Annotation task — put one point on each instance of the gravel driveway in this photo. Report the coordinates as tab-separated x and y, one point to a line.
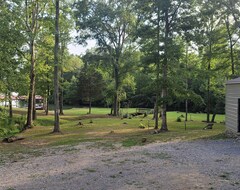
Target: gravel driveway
175	165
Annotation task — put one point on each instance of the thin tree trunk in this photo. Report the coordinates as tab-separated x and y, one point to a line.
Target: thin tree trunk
213	117
47	99
186	110
90	107
116	98
208	100
5	99
56	69
156	110
46	106
29	123
186	101
230	46
34	107
32	26
62	80
111	112
209	83
164	74
10	105
61	94
164	111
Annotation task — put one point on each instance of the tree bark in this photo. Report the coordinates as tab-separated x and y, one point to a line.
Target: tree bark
56	70
29	123
10	105
116	97
164	73
34	107
186	110
213	117
90	107
186	101
47	100
156	110
62	80
32	27
230	46
61	94
209	82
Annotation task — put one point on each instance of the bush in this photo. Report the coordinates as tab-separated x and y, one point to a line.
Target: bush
125	116
20	122
10	126
179	119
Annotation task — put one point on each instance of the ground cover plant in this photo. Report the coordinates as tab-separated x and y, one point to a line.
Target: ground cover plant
77	126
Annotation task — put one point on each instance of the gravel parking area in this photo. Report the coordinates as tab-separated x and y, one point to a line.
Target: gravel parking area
204	164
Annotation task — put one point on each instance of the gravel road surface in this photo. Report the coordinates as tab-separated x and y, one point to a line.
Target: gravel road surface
204	164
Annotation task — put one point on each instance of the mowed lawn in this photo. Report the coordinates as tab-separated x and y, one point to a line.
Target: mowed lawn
77	126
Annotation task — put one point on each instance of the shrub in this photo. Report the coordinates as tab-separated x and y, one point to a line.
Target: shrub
20	121
179	119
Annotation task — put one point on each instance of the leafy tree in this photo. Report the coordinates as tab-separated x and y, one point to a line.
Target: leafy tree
111	24
231	14
33	11
90	85
12	40
163	19
211	47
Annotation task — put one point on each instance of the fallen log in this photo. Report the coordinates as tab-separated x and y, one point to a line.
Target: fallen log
12	139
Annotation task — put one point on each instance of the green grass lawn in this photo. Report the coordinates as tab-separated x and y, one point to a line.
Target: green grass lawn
99	127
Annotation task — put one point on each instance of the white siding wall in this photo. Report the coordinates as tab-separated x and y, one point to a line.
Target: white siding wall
232	96
15	103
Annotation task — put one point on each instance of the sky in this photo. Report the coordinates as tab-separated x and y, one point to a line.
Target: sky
77	49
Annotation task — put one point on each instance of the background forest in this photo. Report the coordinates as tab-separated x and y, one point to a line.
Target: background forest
160	54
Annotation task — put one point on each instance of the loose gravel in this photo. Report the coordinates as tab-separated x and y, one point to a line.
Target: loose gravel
204	164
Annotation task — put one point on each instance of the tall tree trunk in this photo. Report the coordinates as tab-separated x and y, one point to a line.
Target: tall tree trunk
10	105
156	110
32	27
47	99
116	98
62	80
48	92
61	94
230	46
186	101
29	123
186	110
208	100
164	73
209	83
56	69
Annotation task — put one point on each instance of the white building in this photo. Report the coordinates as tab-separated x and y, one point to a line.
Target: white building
232	107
